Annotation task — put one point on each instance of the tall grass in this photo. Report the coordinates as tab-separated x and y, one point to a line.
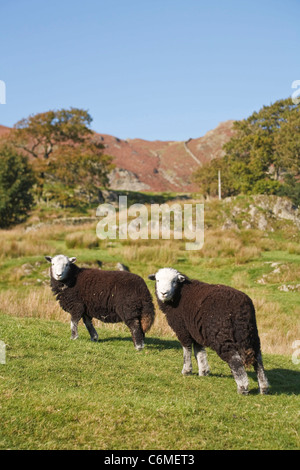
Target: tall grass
235	257
277	330
36	302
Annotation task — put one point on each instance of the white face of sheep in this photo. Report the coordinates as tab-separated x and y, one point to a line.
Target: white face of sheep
60	266
167	280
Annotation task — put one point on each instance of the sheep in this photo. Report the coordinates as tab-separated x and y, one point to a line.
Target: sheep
110	296
211	315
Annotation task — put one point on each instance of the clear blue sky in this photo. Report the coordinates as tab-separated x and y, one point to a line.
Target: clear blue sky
154	69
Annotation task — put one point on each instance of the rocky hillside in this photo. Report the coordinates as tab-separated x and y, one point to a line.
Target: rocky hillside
143	165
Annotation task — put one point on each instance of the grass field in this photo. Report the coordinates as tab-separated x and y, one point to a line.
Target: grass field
61	394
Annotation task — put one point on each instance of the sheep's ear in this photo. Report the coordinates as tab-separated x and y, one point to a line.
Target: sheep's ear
151	277
48	258
72	260
181	278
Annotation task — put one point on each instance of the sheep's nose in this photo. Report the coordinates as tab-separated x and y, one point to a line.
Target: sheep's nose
164	293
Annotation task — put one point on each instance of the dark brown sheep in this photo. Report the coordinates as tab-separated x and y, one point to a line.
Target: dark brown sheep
215	316
110	296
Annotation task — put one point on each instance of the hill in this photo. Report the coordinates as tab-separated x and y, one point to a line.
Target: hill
163	165
143	165
3	130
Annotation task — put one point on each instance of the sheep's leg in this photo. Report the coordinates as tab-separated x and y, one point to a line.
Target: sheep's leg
239	373
261	376
90	327
187	360
201	358
74	329
136	332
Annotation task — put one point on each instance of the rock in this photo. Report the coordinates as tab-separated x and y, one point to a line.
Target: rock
279	207
27	268
229	224
263	280
253	211
284	209
120	178
262	223
107	196
247	225
122	267
289	288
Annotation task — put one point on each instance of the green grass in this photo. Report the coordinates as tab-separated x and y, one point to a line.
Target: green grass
61	394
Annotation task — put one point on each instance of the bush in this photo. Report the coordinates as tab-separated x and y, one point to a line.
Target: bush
16	182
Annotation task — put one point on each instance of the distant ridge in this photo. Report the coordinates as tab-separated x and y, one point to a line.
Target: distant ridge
143	165
163	165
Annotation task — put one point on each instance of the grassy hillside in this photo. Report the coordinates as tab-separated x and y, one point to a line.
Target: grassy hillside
61	394
55	393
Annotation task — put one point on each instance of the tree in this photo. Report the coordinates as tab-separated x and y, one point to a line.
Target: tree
262	154
62	146
287	143
206	177
16	183
40	134
84	165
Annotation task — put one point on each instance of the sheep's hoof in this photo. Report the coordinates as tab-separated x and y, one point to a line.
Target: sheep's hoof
74	337
264	391
95	340
204	373
186	372
243	391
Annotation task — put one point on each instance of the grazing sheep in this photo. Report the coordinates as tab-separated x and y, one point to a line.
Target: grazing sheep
215	316
110	296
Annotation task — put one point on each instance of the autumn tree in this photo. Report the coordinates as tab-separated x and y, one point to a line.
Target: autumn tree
39	135
63	148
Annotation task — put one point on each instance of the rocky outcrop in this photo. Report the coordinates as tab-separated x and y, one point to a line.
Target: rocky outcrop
259	212
122	179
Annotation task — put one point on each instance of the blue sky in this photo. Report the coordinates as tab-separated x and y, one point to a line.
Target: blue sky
153	69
